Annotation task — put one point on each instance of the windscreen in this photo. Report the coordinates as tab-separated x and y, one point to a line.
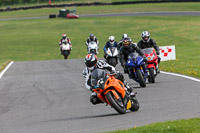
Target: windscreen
133	56
96	75
148	50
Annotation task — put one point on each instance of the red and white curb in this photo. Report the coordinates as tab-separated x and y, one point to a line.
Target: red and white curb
180	75
7	67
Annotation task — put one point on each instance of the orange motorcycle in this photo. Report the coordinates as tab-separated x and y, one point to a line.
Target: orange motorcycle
111	91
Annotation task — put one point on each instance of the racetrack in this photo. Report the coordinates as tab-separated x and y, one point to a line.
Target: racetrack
50	97
166	13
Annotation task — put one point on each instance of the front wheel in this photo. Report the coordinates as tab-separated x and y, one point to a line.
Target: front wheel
112	61
140	78
65	54
151	77
117	104
134	104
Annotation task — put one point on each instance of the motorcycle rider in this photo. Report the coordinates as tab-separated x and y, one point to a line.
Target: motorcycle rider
121	41
110	43
128	47
65	40
92	63
91	38
147	42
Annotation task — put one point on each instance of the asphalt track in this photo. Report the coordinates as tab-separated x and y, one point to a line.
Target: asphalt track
50	97
167	13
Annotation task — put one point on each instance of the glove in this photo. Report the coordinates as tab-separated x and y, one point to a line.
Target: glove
124	64
144	56
157	52
112	72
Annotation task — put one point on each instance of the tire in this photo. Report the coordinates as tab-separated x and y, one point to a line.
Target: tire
52	16
112	62
134	105
151	75
114	103
65	54
93	51
140	78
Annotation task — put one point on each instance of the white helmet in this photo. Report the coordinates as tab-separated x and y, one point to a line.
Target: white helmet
124	36
145	36
111	40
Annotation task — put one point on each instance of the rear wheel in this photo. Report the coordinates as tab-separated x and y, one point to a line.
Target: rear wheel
140	78
151	75
117	104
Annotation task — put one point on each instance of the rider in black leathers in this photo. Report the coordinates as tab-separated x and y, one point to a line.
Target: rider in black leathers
147	42
127	48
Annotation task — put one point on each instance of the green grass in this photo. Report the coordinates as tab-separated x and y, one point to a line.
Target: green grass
179	126
24	40
15	4
105	9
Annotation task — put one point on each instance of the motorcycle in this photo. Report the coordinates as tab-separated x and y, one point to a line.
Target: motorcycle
135	69
112	91
112	56
93	48
66	50
152	63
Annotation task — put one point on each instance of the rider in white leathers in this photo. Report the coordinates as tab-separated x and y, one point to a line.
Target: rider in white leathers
92	63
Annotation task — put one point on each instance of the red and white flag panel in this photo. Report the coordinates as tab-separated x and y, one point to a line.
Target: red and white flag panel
167	53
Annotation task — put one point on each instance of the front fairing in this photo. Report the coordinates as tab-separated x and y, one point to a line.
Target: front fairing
150	54
112	51
92	45
134	60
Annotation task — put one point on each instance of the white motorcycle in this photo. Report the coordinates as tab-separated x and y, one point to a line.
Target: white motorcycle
112	56
66	50
93	48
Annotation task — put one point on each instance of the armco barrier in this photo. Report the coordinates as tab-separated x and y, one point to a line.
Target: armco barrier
95	4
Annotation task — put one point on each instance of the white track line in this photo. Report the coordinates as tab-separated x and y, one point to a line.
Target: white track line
180	75
2	73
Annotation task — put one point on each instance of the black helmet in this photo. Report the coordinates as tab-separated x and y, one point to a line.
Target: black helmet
92	37
126	42
91	61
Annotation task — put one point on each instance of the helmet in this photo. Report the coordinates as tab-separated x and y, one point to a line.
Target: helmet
145	36
92	37
111	40
91	61
126	42
64	36
124	36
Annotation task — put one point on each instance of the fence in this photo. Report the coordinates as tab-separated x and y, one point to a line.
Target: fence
20	2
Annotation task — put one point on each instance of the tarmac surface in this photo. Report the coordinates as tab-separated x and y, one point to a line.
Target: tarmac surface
50	97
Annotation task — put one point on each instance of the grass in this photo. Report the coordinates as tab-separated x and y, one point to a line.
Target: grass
25	40
105	9
179	126
55	2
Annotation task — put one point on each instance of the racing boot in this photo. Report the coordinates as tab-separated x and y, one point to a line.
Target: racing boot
158	71
94	99
132	95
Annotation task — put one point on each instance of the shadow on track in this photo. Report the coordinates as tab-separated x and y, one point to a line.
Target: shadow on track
80	118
